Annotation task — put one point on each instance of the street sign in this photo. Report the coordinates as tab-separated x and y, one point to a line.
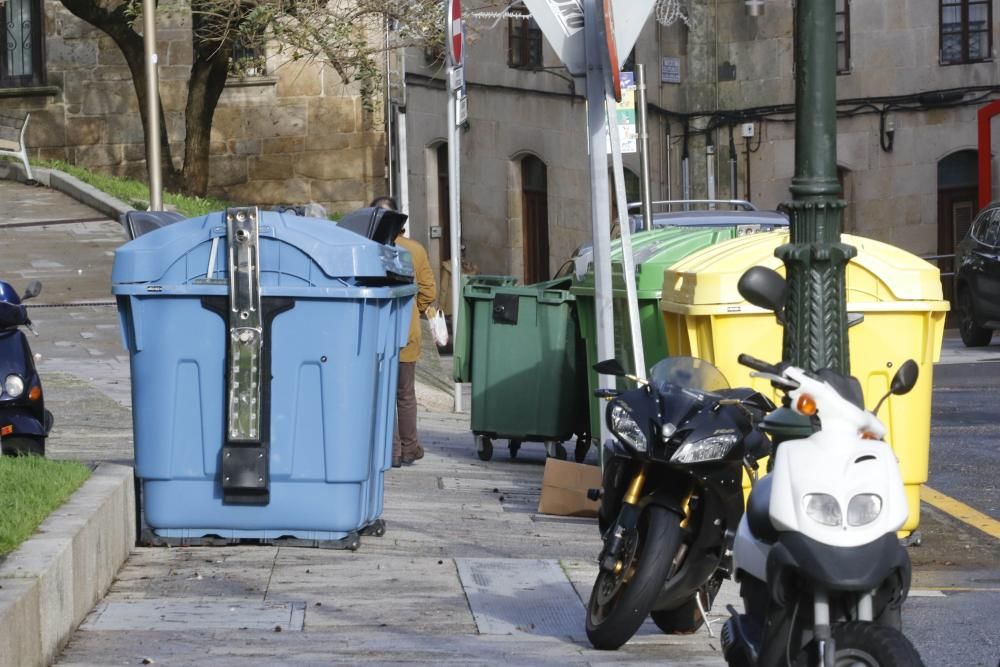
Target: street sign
454	32
624	117
561	21
461	109
613	72
457	77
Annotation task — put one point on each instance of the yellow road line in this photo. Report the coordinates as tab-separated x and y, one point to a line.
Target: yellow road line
960	511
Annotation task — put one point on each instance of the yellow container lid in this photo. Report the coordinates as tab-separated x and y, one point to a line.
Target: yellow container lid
881	277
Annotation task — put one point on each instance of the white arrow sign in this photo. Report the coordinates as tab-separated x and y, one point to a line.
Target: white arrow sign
561	22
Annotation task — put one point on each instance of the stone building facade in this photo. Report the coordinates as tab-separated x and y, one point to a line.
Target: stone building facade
292	133
907	141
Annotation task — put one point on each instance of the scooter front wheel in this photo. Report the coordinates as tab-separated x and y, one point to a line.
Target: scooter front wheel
23	445
622	598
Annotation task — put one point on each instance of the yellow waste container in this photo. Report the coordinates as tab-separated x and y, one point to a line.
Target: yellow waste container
898	294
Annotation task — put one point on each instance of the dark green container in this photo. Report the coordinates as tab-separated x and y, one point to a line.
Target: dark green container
520	348
653	252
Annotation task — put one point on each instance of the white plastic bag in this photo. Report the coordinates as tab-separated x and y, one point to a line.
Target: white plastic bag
439	329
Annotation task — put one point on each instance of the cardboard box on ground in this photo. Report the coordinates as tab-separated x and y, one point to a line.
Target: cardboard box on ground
564	488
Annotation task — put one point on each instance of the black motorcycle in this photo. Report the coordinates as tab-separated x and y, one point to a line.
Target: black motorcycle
672	496
24	421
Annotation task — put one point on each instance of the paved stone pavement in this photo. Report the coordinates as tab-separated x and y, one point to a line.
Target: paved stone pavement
467	572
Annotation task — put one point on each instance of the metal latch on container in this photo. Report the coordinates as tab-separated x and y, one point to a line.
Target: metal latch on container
245	474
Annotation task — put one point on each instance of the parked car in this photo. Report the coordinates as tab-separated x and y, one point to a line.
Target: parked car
978	278
708	213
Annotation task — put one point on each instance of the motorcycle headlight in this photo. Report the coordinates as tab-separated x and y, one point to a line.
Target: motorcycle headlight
707	449
623	424
13	385
863	509
823	508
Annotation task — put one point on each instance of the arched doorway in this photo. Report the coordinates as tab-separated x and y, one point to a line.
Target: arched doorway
535	219
443	203
958	193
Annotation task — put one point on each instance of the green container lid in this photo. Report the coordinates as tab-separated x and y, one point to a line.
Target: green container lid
653	251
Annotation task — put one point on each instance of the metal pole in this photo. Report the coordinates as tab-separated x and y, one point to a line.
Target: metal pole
153	164
668	168
816	313
628	261
599	200
733	179
387	97
454	220
647	208
710	171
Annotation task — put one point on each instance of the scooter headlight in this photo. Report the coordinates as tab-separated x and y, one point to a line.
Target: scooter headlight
863	509
711	448
823	508
13	385
623	424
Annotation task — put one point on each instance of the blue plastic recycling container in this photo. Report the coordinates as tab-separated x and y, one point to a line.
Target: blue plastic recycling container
334	311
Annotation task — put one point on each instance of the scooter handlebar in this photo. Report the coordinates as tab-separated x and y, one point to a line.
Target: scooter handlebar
757	364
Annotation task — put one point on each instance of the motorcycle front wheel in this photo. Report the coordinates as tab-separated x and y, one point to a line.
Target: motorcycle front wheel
861	644
621	600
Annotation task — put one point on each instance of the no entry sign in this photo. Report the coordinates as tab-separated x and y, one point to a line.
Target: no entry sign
454	31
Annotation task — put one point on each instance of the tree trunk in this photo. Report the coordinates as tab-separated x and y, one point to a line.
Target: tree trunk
116	25
208	79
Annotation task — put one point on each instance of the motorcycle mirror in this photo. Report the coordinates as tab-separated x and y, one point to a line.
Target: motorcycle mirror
610	367
902	382
33	289
905	378
764	288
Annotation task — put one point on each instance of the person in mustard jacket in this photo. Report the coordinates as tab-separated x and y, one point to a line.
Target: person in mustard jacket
405	446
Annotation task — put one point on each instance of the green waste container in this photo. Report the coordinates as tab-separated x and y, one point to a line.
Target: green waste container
653	252
520	348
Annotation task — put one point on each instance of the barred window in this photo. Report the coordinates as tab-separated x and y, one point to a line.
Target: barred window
965	31
21	44
524	41
249	57
843	18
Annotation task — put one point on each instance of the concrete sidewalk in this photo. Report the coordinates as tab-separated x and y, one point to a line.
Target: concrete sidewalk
467	573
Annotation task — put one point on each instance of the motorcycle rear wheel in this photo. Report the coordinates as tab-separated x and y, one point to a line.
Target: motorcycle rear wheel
22	445
619	603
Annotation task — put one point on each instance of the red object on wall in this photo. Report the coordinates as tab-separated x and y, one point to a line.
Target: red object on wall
986	114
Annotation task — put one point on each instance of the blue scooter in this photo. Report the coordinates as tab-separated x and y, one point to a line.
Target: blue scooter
24	421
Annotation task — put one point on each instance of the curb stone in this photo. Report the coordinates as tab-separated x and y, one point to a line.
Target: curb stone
68	185
50	583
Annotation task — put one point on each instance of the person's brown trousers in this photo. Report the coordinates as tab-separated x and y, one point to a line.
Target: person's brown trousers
404	440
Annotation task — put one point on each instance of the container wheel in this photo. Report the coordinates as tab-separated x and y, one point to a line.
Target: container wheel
484	447
582	447
555	450
514	446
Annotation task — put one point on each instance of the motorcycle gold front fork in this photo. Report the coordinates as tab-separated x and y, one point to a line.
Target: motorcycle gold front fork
635	488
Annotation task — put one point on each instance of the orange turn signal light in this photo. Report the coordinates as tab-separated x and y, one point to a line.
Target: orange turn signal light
806	405
35	394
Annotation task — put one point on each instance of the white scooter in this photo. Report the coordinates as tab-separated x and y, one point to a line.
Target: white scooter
822	573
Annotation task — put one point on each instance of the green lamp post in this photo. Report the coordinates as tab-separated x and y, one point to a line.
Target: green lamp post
815	259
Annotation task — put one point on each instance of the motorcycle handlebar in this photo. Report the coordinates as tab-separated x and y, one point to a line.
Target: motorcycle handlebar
757	364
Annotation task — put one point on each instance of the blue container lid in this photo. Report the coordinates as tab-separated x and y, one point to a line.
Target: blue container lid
296	254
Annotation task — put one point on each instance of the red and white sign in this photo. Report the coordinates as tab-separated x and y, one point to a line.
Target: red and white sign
454	31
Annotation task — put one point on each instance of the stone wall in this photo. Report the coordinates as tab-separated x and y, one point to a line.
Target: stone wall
294	136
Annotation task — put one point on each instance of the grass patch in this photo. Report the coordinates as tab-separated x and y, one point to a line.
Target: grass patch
136	193
31	487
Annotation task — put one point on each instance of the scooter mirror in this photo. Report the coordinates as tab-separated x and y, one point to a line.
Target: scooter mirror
610	367
764	288
33	289
905	378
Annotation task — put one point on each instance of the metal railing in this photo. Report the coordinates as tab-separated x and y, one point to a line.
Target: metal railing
937	259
